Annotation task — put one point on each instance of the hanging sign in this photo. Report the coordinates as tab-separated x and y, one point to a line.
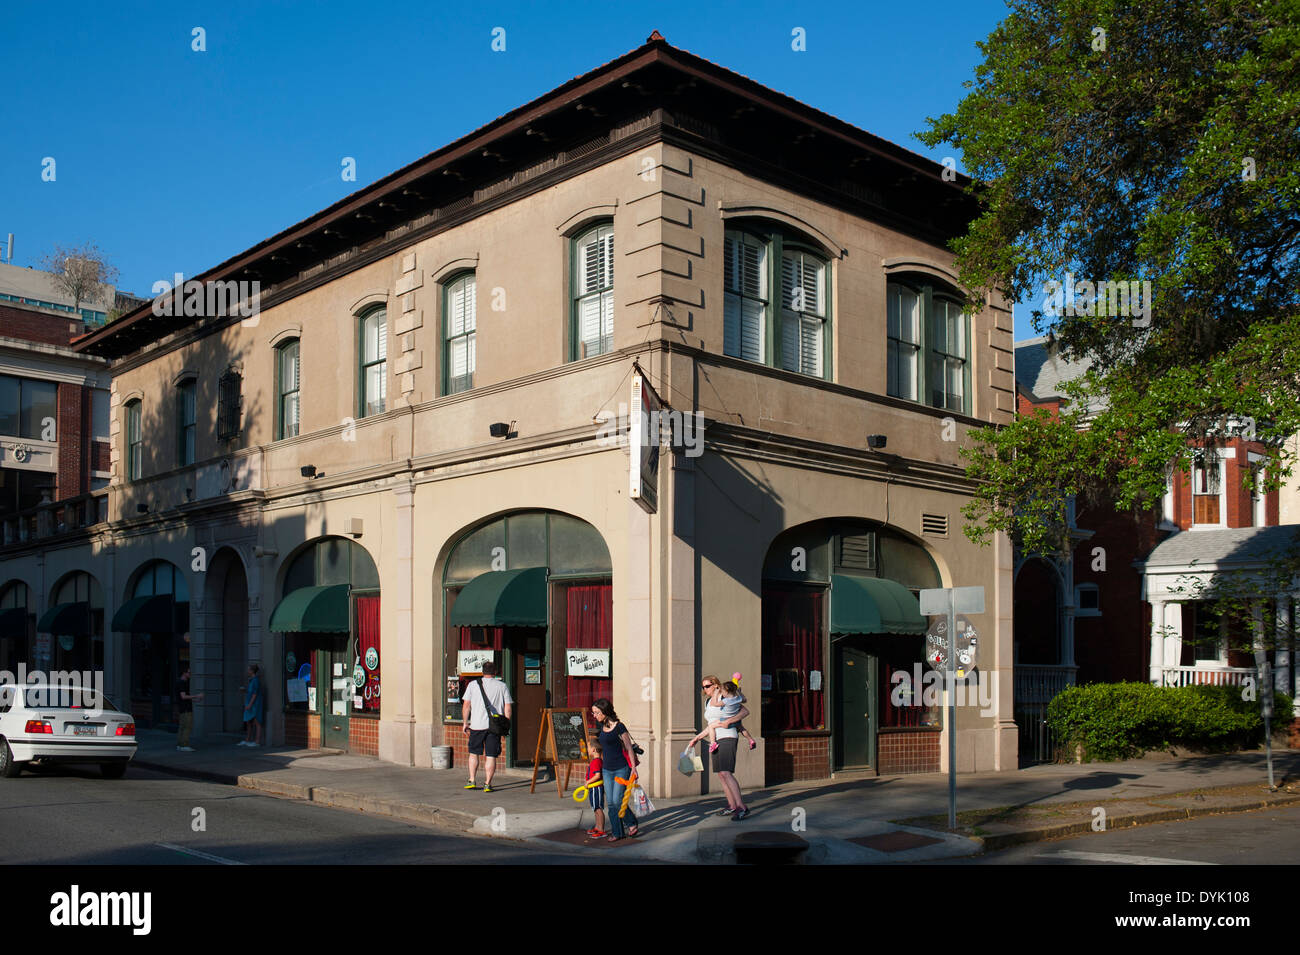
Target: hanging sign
643	440
470	662
580	662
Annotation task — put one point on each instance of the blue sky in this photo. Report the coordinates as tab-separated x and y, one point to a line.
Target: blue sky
174	160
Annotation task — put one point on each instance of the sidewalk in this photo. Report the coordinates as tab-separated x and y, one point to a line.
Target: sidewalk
868	820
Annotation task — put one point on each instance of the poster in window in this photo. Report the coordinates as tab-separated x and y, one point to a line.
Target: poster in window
580	662
453	689
296	691
470	662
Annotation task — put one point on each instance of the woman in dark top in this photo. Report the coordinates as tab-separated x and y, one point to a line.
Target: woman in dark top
618	759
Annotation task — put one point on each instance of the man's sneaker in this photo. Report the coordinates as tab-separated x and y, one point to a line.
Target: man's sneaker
471	786
487	789
252	745
740	814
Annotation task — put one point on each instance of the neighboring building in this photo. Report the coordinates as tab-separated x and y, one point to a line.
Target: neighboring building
415	454
36	287
1091	619
54	468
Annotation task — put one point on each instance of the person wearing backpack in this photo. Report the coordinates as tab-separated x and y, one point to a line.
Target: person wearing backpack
486	699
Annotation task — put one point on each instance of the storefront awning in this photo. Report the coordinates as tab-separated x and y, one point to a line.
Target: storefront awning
873	605
70	620
13	622
158	614
313	610
503	598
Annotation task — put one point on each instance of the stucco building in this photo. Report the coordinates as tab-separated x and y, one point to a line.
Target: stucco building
415	451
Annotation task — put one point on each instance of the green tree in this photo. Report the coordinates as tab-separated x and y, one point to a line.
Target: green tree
1131	142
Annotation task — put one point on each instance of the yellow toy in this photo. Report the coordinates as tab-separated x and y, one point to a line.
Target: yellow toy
580	794
628	785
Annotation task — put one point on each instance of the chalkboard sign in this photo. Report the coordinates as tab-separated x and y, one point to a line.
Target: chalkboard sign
562	739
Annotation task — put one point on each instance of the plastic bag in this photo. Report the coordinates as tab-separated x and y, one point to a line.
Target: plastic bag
686	763
641	804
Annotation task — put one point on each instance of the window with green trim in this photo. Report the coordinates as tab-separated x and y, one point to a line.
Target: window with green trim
374	363
134	443
593	291
789	326
185	422
286	390
459	324
928	346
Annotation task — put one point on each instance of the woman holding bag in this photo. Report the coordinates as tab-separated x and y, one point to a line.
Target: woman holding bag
618	761
724	757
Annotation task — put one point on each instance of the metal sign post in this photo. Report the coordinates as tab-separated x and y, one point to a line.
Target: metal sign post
1265	673
950	601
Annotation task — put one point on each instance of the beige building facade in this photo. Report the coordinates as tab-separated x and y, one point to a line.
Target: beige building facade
429	408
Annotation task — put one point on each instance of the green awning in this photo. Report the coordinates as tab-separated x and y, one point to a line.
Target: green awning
71	620
313	610
873	605
13	622
157	614
502	598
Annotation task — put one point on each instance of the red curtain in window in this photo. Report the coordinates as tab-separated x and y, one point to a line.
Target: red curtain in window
590	626
368	638
792	641
909	714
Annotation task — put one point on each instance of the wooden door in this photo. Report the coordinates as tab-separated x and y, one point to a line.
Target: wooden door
530	698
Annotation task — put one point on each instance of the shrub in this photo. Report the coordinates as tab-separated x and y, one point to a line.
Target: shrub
1125	720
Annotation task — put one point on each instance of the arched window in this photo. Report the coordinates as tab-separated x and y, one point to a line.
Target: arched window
186	393
459	324
134	442
783	320
593	291
928	350
374	364
286	389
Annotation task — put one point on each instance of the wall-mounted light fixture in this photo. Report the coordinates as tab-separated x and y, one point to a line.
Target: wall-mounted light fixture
142	508
308	470
500	429
876	441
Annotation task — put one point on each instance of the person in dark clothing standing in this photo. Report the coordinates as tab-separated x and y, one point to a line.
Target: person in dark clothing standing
617	761
186	711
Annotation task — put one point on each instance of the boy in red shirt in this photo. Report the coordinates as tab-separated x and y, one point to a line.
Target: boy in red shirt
596	791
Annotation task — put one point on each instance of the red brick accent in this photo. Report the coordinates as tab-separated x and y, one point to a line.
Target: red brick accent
363	737
910	752
295	729
33	326
1293	736
73	476
789	758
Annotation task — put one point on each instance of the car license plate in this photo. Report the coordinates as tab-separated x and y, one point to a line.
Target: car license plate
80	730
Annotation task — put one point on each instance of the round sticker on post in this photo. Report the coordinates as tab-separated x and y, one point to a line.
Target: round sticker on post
372	658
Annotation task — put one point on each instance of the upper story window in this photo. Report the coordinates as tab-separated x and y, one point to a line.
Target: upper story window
286	390
459	325
100	401
1087	600
593	291
134	442
230	403
1207	489
185	422
28	408
792	335
374	363
928	346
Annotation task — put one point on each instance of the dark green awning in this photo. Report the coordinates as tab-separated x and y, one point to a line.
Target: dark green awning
313	610
873	605
157	614
71	620
13	622
503	598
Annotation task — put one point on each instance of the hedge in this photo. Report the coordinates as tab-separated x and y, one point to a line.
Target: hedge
1125	720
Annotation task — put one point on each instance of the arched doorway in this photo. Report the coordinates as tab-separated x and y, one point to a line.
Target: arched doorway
70	634
329	615
156	614
17	625
840	621
234	644
533	591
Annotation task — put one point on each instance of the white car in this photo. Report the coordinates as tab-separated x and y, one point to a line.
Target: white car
55	724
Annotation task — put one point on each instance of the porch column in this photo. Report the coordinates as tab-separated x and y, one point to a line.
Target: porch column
1157	641
1173	635
1284	677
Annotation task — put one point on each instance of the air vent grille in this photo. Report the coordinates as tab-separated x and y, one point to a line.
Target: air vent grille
934	524
858	551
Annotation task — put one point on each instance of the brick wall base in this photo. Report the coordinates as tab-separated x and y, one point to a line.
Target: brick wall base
908	753
1293	736
789	758
363	737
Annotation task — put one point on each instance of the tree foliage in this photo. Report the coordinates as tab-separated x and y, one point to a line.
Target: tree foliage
1134	141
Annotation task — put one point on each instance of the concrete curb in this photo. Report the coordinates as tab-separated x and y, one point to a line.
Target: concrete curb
1005	840
200	775
376	805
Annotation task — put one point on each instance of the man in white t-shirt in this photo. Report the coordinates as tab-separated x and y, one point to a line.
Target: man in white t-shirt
474	722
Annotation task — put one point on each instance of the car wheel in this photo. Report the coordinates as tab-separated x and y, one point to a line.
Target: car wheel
113	770
9	767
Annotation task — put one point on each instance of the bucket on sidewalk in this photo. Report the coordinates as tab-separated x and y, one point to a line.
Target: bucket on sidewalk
441	757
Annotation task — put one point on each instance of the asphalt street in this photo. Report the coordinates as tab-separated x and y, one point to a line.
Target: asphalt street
72	816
